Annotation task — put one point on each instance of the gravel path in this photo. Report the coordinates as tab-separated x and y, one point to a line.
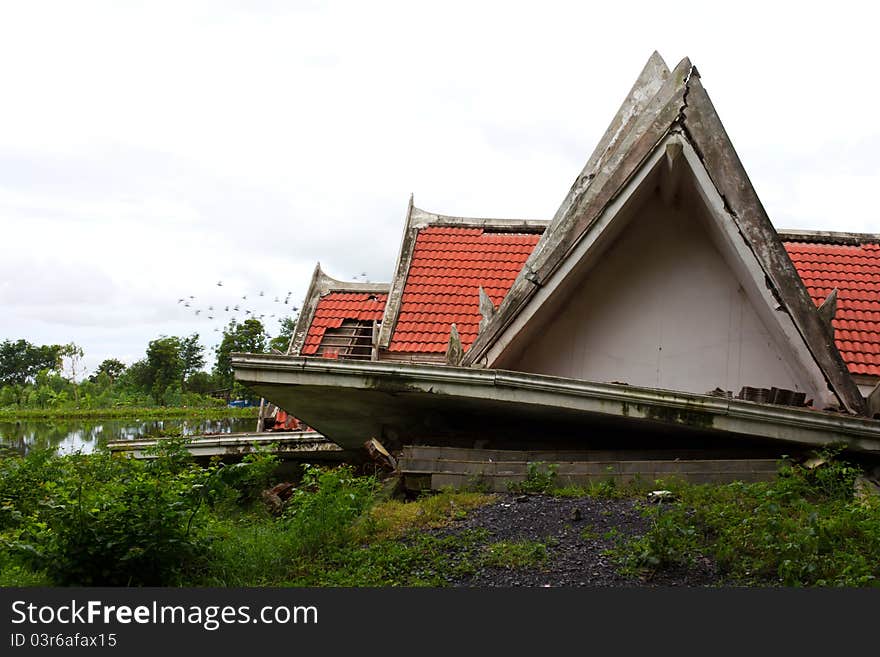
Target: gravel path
577	532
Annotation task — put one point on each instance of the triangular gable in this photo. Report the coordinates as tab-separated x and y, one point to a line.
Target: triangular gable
319	288
675	127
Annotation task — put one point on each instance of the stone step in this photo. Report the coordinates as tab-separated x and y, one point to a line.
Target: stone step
596	468
551	456
500	483
497	469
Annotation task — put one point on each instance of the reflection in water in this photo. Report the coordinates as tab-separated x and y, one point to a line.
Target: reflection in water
66	436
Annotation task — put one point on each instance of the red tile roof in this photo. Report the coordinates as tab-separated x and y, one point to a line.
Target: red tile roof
855	272
449	264
336	307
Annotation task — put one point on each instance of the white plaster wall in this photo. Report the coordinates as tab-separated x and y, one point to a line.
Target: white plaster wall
660	309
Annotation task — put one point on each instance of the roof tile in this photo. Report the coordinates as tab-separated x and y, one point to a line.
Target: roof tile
449	264
855	272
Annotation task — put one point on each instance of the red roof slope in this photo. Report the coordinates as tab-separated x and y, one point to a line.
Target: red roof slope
449	264
855	271
336	307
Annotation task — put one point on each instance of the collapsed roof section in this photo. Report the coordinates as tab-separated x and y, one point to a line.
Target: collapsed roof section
347	307
667	130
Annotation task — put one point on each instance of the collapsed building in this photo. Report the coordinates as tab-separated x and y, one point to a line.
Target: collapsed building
657	324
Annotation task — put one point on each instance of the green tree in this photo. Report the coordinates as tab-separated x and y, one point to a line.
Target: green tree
136	377
112	368
164	366
21	361
248	337
281	341
201	383
192	358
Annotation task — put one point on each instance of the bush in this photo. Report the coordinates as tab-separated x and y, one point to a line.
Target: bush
317	522
803	529
99	520
242	483
116	522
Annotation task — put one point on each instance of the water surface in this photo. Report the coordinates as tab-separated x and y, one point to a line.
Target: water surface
67	436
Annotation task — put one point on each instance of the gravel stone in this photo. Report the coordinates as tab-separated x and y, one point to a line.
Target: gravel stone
577	533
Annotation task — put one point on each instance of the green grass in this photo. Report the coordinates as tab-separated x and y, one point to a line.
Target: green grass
384	545
394	518
515	554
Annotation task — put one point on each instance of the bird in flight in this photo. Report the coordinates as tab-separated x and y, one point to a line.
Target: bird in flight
198	311
180	300
219	283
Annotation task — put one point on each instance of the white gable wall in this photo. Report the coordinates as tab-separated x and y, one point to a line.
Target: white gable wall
660	308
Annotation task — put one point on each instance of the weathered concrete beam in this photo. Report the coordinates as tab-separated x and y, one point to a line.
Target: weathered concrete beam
828	310
487	308
672	173
872	401
299	445
454	349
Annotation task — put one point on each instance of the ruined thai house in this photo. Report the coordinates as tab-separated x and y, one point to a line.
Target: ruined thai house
657	324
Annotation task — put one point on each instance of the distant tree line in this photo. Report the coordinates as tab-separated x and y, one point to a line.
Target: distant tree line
170	374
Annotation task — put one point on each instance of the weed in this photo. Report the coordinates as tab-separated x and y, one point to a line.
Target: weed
570	492
589	533
521	554
540	478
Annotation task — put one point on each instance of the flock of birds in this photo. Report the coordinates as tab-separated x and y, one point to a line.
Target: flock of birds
260	306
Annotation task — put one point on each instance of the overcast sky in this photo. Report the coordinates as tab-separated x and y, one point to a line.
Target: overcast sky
151	150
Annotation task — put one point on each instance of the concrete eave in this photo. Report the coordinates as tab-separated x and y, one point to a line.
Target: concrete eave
352	401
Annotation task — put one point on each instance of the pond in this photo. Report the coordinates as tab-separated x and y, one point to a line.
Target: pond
66	436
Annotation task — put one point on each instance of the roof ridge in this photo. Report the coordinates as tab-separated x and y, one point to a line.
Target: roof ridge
828	237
